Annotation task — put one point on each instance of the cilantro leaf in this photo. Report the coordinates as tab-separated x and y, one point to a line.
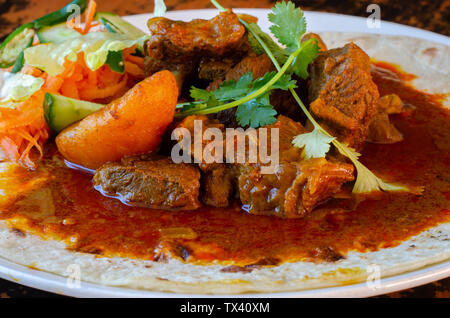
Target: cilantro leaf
230	89
309	52
315	144
289	24
279	53
310	49
256	113
199	94
285	82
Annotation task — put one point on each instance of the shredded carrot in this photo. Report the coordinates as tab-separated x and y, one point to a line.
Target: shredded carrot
73	25
69	88
134	70
36	41
94	93
30	70
23	129
92	78
139	61
89	19
90	13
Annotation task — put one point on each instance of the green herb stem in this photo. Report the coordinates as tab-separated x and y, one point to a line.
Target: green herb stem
277	66
262	90
218	6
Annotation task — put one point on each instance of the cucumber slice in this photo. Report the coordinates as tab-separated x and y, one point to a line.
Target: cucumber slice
56	34
115	24
61	111
19	63
21	38
15	43
61	15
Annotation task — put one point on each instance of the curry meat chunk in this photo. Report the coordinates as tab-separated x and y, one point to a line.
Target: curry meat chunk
295	187
151	182
217	179
184	47
343	97
217	184
381	130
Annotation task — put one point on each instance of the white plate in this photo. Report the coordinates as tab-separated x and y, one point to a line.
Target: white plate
317	22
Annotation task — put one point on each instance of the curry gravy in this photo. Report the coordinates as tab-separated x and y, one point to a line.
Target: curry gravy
57	202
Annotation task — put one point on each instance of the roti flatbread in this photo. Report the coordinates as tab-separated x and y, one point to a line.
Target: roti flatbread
427	60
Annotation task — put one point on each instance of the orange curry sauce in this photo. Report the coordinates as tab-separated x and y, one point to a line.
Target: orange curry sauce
92	223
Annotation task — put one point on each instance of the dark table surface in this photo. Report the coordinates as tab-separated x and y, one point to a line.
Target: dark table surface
432	15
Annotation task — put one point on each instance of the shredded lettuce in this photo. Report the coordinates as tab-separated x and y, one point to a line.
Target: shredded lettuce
160	8
16	88
50	57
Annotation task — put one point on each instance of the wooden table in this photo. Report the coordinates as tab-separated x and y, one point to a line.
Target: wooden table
427	14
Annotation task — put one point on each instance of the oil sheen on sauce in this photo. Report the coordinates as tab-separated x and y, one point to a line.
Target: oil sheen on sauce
61	203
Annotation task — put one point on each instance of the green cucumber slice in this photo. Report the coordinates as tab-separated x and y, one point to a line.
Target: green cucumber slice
60	111
56	34
115	24
61	15
15	43
12	47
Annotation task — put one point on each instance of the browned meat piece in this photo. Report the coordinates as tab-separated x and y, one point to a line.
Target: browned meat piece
390	104
210	70
181	46
297	186
381	130
343	96
155	183
320	43
217	179
258	65
217	184
189	124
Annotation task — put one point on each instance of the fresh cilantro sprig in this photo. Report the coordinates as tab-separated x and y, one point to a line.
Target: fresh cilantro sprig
254	113
289	26
250	96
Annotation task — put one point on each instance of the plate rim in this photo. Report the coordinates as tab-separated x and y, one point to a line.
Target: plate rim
28	276
54	283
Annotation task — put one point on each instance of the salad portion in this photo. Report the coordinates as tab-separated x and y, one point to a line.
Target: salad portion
55	72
